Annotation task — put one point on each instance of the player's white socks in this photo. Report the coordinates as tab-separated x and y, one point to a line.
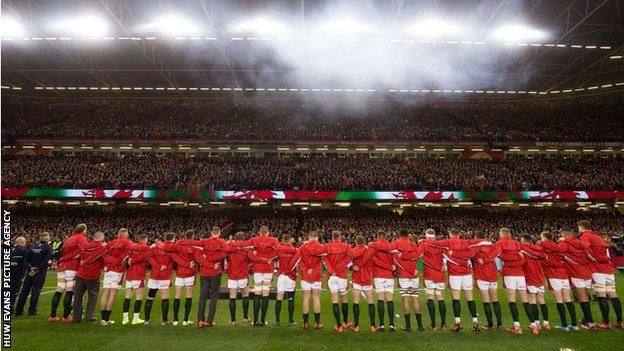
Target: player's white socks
136	315
545	323
475	320
125	315
517	324
457	320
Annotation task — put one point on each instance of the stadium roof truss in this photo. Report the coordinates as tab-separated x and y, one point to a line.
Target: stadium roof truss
588	39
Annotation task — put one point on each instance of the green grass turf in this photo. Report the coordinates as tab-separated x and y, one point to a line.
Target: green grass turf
34	333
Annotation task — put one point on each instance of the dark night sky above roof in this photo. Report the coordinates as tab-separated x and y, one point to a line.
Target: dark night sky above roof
223	62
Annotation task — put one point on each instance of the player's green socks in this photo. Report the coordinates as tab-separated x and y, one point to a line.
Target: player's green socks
246	307
103	314
535	312
306	317
188	303
137	308
419	320
176	309
544	309
456	309
264	308
148	309
498	312
514	313
256	307
232	310
278	309
345	312
317	317
432	311
390	312
487	308
617	308
572	311
442	308
604	308
56	300
336	311
381	310
562	314
291	310
126	305
67	303
356	314
371	313
408	321
587	314
164	306
528	310
472	307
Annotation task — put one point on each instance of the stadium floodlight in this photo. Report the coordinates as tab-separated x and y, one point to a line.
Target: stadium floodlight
87	25
261	25
433	28
11	28
172	25
517	32
345	26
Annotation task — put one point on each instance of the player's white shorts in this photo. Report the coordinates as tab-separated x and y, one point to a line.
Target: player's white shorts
134	284
357	286
559	284
67	275
408	286
158	284
262	278
433	286
580	283
237	283
603	279
532	289
460	282
285	284
337	285
307	286
112	280
383	285
188	281
486	285
514	282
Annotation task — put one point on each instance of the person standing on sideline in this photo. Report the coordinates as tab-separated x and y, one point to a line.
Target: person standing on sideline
18	267
37	259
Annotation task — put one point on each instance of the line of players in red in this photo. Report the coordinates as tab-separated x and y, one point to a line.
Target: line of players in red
575	262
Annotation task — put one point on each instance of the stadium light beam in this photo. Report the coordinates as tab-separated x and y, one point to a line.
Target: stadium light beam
172	25
261	26
11	28
345	26
85	25
517	33
433	28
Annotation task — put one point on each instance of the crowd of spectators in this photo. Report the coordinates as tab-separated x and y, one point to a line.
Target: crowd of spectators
60	221
595	118
314	172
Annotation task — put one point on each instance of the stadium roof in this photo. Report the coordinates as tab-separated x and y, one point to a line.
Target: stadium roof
585	47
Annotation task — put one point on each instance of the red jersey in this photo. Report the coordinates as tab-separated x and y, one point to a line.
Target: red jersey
459	253
285	255
554	266
91	260
71	250
575	257
382	259
116	251
161	261
361	257
265	248
433	260
509	251
407	266
183	256
137	269
308	258
532	267
598	253
338	258
237	261
213	250
486	271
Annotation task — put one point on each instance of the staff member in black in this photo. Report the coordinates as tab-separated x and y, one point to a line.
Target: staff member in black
18	267
37	260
